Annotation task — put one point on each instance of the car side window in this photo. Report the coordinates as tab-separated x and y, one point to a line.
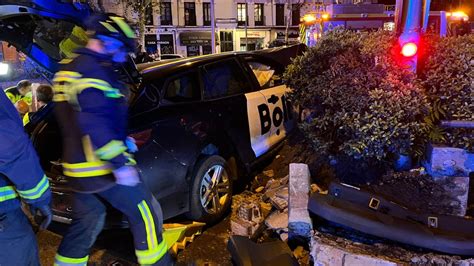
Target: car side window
266	74
224	78
183	88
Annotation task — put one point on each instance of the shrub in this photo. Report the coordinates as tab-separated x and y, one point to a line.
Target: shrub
364	105
448	79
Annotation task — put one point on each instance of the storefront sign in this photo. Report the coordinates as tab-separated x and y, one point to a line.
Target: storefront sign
291	35
196	38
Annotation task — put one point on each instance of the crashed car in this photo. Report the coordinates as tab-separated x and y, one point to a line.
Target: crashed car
200	123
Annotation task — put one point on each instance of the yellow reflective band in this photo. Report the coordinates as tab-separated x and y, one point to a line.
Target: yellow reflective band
87	169
149	225
66	76
60	98
26	119
63	261
111	150
102	85
108	26
7	193
124	27
146	257
37	191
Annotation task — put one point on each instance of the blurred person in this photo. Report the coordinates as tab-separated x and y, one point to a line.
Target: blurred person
44	97
92	114
21	179
22	91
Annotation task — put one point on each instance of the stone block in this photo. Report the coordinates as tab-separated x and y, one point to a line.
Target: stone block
299	221
277	220
457	190
243	228
448	161
327	255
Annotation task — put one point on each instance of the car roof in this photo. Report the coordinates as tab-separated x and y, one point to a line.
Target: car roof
159	69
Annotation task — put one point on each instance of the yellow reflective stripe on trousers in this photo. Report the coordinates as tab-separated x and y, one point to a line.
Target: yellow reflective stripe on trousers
111	150
65	261
151	256
37	191
155	251
7	193
87	169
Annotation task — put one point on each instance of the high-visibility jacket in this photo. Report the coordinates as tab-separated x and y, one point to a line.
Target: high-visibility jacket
21	175
91	111
14	95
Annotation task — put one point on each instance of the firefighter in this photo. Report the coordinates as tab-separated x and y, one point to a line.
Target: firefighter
22	91
21	178
92	114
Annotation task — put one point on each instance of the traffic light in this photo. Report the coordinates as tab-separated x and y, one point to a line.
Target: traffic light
409	48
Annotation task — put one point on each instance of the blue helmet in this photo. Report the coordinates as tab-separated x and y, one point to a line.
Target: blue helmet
105	26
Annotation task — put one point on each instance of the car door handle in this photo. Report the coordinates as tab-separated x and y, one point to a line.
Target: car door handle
273	99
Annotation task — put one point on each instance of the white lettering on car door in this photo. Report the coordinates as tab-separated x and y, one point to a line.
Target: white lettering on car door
269	118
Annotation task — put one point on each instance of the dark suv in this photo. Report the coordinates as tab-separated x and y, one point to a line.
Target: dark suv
200	123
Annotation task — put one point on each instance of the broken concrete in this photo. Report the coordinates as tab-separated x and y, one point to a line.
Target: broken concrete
448	161
299	223
277	220
458	189
246	217
328	255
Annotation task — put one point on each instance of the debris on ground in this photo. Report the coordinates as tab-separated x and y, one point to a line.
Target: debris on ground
421	192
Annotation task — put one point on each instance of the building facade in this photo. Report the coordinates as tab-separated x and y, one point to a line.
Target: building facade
184	26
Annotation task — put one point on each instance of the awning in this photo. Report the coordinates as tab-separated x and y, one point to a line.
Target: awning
196	38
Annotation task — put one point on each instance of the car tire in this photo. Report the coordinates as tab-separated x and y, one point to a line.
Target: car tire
211	188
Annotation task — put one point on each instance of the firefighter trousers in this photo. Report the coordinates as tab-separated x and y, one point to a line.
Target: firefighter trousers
17	240
136	203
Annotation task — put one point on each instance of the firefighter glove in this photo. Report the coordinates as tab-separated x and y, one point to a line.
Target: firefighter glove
131	144
42	215
126	176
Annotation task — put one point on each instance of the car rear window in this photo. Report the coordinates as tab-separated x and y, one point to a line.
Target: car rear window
223	79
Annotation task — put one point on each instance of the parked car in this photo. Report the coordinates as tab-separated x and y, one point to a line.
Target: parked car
200	123
170	56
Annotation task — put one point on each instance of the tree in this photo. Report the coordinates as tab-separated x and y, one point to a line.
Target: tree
139	7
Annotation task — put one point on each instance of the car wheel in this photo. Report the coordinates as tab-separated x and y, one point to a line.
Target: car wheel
211	192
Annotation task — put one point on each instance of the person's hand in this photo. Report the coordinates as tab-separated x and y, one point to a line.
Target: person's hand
126	176
43	215
131	144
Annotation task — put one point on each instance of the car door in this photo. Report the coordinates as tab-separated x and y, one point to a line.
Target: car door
270	116
45	30
225	84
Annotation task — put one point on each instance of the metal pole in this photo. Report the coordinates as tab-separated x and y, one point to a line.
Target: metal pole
246	24
213	28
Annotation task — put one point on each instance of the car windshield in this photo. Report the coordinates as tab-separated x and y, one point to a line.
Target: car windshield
58	39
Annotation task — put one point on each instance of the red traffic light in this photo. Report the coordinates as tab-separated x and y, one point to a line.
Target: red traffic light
409	49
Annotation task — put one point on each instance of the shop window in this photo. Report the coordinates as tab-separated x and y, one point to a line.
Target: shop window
184	88
241	14
223	79
165	12
280	15
189	14
206	14
192	50
258	12
267	75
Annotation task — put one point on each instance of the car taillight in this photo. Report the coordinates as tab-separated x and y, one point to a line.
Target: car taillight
141	137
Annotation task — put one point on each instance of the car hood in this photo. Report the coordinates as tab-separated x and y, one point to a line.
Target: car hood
45	30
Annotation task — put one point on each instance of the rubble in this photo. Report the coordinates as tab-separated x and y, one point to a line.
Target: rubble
246	217
299	222
277	220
